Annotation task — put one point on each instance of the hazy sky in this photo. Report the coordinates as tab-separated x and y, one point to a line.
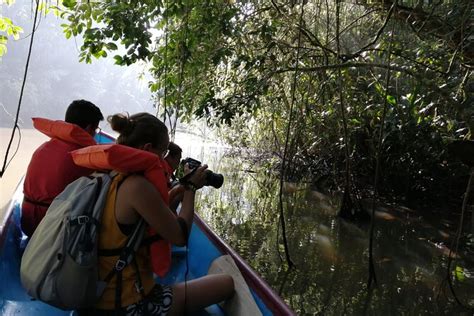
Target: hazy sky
55	76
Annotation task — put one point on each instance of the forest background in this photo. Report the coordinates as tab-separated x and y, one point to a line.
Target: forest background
350	97
329	88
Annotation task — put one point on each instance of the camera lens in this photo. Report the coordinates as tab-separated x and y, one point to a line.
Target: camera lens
214	179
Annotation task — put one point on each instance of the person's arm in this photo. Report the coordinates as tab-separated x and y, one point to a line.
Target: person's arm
139	194
195	182
176	196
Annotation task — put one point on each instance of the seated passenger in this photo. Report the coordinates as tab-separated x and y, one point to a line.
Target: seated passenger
171	163
172	160
51	167
136	198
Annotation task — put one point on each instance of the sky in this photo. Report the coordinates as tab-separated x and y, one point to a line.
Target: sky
55	76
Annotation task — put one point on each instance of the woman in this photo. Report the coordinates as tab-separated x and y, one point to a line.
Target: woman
135	198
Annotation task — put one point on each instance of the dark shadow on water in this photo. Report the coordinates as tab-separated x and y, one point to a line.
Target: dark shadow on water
331	254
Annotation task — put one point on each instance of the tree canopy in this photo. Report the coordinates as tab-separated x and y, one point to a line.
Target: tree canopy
318	76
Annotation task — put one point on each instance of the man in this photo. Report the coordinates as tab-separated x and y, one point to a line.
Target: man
172	160
51	167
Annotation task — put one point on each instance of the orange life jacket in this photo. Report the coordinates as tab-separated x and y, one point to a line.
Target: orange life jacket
51	169
129	160
68	132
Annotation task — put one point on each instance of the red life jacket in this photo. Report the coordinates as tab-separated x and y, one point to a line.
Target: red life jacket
51	169
168	170
129	160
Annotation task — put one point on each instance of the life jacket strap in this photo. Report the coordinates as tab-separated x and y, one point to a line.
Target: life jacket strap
38	203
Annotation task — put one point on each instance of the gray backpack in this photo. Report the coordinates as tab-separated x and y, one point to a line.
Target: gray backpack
60	263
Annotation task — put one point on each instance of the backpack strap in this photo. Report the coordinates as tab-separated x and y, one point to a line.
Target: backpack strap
85	219
117	251
118	292
126	256
138	283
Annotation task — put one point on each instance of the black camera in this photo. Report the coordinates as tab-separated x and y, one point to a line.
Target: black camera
213	179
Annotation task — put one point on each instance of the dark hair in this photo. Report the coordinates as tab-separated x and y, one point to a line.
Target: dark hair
83	113
174	150
138	129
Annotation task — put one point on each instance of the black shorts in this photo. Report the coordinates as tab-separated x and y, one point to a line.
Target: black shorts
157	303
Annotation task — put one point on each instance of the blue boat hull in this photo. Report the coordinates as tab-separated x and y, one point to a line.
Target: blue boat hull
204	246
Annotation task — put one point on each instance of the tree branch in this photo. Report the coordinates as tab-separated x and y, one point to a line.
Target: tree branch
348	65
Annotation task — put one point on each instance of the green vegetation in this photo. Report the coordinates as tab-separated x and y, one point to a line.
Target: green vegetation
311	82
7	29
311	89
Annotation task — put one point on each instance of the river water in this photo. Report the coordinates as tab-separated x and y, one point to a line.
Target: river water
411	248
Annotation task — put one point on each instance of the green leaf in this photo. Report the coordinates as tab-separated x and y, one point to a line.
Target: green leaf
95	14
391	100
3	25
16	36
7	21
459	273
3	49
70	4
56	12
42	7
118	60
154	87
111	46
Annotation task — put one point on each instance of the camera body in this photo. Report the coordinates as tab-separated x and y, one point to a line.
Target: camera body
192	163
212	179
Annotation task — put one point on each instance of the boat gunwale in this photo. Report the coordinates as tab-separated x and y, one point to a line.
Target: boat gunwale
273	301
7	217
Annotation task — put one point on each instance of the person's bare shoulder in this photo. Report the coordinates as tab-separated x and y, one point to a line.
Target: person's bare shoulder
136	192
136	183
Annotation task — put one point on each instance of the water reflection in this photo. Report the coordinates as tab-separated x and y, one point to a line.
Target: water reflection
331	255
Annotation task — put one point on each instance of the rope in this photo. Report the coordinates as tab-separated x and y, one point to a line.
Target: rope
17	147
15	125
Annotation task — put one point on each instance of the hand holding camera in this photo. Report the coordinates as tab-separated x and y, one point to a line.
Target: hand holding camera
197	177
201	173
